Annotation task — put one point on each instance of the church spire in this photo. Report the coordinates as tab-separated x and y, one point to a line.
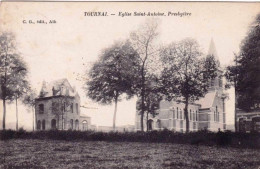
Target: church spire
212	49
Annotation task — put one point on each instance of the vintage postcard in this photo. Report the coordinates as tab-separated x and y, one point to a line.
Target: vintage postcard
129	84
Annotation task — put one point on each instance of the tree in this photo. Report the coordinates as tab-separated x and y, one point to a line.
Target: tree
244	75
143	42
112	75
21	84
152	100
29	100
186	75
13	71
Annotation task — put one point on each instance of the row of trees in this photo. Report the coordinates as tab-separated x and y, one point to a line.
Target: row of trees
13	76
137	67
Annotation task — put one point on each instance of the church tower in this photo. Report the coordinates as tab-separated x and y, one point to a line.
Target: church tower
217	83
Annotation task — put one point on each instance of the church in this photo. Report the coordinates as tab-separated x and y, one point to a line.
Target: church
206	113
58	107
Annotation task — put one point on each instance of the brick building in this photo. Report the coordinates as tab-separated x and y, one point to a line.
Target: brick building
58	107
206	113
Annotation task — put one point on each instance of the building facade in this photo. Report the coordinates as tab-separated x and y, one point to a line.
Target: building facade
58	107
206	113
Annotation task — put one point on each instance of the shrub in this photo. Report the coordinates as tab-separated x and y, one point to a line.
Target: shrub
204	137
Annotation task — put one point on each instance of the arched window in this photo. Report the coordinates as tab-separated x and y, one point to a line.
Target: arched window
173	113
190	115
76	124
41	108
84	125
216	113
77	108
71	124
53	124
39	125
43	124
71	107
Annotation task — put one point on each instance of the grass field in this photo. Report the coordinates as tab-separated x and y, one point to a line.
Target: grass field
19	153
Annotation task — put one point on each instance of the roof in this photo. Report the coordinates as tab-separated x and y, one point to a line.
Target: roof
56	88
208	100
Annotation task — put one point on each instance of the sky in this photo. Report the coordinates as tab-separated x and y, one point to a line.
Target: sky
68	48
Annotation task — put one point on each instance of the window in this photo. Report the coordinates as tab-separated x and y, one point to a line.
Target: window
224	118
216	113
77	108
180	114
84	125
214	116
53	124
181	124
41	108
39	125
173	113
43	124
196	115
190	115
71	124
177	113
71	107
77	124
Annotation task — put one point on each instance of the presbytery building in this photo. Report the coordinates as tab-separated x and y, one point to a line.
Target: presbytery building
58	107
206	113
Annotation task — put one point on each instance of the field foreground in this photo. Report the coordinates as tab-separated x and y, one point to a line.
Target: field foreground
26	153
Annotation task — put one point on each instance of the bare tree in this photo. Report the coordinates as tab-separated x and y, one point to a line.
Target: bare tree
143	42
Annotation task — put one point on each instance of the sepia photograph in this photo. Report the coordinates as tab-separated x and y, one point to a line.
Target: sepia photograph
130	85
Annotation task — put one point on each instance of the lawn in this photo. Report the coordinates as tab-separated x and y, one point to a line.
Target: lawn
22	153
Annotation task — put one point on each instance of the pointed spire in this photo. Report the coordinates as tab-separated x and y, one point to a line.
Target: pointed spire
212	49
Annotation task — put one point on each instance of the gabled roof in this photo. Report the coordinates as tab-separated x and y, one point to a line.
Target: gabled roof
208	100
56	88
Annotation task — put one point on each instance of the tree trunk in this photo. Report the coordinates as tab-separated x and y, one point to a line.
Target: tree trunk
114	118
186	114
16	114
147	121
235	113
4	106
33	117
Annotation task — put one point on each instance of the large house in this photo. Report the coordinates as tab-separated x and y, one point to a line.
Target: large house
206	113
58	107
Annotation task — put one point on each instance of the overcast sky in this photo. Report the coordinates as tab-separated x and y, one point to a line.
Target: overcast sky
67	49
